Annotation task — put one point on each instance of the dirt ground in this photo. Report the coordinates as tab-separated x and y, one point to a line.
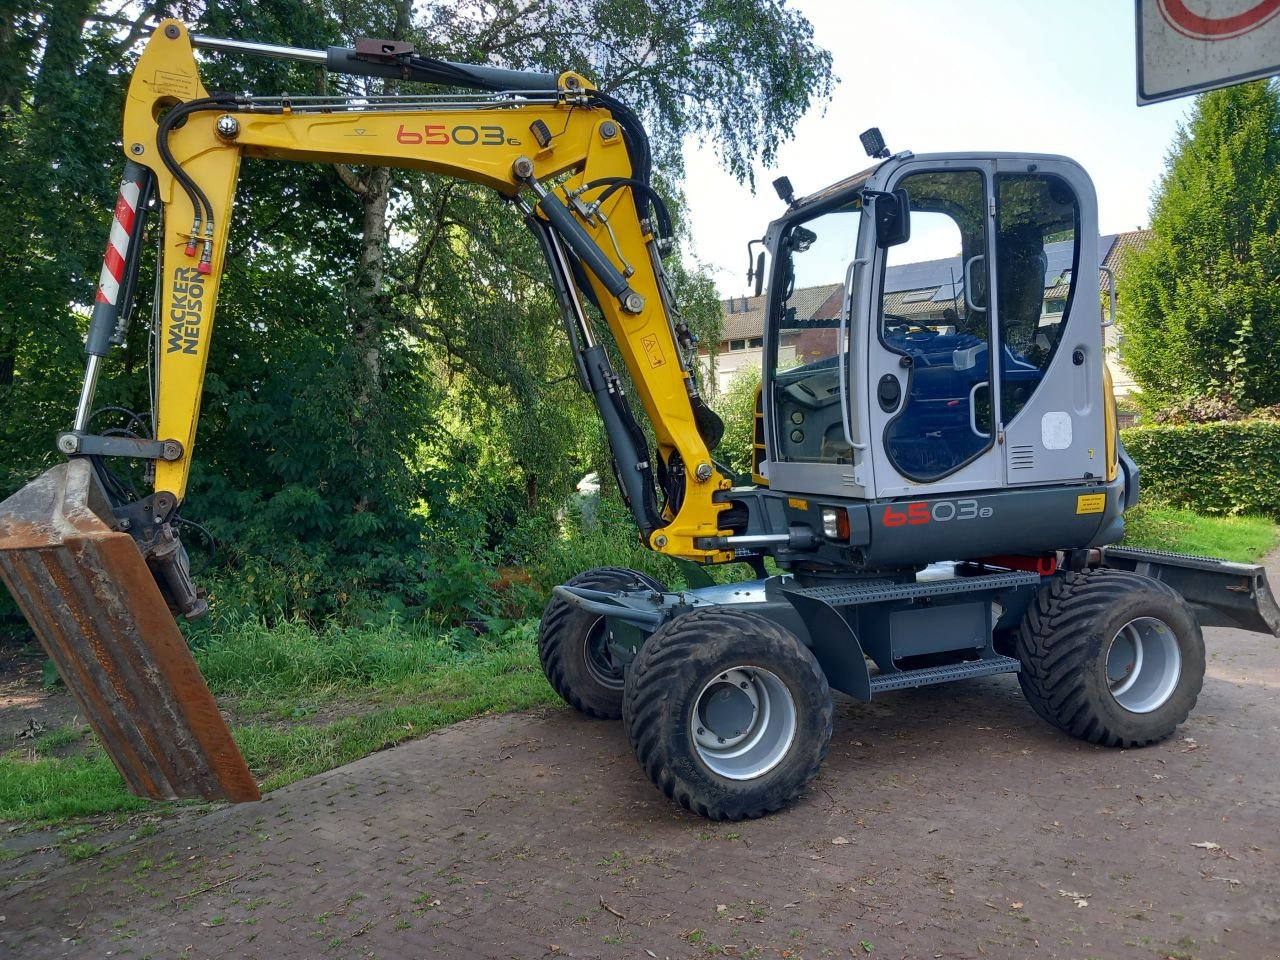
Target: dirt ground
947	822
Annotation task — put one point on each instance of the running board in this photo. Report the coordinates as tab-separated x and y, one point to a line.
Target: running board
1220	593
880	591
903	679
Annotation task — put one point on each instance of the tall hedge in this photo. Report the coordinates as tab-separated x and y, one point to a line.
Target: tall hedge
1212	468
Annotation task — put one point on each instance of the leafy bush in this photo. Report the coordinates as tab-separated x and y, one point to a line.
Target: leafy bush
737	407
1212	468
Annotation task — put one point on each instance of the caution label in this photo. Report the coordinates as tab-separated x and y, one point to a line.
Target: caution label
1091	503
797	504
653	351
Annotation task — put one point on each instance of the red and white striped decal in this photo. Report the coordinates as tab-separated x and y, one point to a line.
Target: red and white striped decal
118	243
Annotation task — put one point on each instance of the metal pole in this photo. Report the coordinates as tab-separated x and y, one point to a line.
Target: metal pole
272	50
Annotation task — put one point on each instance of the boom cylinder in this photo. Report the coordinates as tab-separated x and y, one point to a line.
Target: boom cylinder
109	323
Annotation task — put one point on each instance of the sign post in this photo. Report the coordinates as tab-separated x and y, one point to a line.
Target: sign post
1188	46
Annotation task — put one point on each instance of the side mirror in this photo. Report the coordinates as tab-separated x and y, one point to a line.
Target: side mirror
893	217
760	273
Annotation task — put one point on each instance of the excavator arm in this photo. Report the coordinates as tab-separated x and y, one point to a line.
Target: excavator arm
99	577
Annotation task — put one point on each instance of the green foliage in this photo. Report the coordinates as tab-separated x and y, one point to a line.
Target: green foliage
387	408
737	407
1211	468
1200	305
604	537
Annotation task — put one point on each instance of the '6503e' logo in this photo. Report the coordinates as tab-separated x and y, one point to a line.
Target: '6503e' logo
440	134
940	511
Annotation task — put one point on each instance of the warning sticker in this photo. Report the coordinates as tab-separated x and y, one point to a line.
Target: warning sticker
1091	503
797	504
181	85
653	351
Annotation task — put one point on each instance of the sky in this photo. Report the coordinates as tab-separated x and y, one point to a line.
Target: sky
1037	76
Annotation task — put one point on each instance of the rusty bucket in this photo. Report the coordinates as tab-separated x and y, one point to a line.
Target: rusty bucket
91	599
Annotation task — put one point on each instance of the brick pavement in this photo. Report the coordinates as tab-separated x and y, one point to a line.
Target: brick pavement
968	824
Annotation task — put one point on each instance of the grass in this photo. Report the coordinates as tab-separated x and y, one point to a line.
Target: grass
304	701
1242	539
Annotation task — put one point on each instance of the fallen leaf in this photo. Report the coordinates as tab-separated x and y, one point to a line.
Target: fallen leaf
841	840
721	908
652	954
1080	899
1016	905
1208	845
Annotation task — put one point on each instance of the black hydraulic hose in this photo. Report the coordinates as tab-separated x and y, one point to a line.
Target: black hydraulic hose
199	201
614	184
637	139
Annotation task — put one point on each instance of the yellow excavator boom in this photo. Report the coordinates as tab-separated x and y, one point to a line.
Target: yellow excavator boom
99	579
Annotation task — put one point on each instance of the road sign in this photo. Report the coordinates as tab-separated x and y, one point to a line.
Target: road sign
1186	46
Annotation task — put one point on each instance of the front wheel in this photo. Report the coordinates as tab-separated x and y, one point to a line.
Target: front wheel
573	644
1111	657
728	713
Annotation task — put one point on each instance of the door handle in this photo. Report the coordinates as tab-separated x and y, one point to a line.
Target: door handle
968	282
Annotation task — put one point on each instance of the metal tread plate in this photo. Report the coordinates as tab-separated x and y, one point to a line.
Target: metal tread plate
945	674
846	595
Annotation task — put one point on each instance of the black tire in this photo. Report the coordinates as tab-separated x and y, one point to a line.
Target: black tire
729	659
1111	657
572	645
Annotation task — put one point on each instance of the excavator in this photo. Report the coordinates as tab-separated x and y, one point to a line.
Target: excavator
937	481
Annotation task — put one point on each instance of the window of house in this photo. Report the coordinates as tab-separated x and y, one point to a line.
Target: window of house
756	342
737	344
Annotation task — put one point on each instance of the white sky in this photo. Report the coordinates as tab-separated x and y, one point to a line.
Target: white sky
1041	76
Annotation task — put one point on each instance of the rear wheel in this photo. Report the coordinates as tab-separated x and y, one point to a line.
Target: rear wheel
573	644
1111	657
728	713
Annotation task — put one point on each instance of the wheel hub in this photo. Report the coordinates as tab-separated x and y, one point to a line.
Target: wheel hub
1143	665
743	722
726	710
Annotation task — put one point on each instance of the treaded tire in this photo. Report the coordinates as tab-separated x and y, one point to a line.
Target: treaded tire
1065	642
682	661
570	645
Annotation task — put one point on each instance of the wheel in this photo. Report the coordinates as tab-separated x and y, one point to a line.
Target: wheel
1111	657
573	645
729	714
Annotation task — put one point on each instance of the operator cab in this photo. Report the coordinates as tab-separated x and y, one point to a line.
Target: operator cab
930	328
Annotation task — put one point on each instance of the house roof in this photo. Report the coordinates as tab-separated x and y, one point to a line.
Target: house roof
917	289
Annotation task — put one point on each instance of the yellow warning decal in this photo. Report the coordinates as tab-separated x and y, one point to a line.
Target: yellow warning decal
653	350
1091	503
797	504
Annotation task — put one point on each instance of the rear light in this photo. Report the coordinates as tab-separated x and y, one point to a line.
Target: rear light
835	523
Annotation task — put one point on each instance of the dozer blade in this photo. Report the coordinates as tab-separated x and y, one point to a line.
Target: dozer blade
89	596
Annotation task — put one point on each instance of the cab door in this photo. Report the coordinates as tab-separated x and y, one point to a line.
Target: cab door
933	352
1049	321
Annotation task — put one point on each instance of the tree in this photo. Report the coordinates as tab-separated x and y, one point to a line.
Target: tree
369	319
1200	303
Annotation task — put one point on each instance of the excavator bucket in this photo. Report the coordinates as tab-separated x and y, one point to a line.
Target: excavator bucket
91	599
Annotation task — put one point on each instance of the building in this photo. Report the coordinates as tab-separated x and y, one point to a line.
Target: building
920	291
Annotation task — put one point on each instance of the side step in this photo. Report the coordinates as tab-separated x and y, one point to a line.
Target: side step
879	591
1221	593
903	679
91	599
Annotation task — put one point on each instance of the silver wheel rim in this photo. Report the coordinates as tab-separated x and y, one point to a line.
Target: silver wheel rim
1143	665
743	723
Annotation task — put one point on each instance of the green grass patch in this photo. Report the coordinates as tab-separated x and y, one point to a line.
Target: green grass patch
55	789
1161	527
348	692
